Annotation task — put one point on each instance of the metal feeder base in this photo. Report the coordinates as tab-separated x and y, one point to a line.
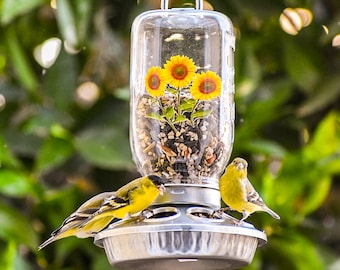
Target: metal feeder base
180	237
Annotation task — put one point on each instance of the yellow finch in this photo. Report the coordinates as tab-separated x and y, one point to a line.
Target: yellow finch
96	213
238	193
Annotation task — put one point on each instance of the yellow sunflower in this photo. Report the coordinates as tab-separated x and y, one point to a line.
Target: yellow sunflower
179	71
155	82
206	86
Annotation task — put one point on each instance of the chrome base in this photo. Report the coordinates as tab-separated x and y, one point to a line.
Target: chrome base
191	194
180	236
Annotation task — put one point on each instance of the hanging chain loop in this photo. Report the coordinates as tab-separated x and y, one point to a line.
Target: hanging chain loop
165	4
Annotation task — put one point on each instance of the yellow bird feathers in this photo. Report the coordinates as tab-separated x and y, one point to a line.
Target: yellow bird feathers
96	213
238	193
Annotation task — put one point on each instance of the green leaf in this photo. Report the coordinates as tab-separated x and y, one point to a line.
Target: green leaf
326	139
300	66
249	69
295	251
10	258
187	105
172	90
53	153
14	183
265	147
6	157
22	143
123	93
316	195
294	180
200	114
7	257
84	12
269	189
13	8
60	82
155	116
14	226
179	119
327	93
106	147
169	112
67	23
20	62
331	163
45	118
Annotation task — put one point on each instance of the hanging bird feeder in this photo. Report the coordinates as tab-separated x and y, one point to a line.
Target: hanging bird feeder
182	128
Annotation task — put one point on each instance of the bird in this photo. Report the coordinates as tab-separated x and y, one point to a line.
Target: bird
238	193
96	213
135	197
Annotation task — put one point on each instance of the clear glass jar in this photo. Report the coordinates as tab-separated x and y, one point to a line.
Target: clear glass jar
182	93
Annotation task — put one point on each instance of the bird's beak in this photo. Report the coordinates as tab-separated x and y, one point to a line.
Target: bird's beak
240	166
161	189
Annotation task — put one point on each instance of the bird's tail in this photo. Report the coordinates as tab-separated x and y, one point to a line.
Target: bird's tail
60	233
271	212
47	242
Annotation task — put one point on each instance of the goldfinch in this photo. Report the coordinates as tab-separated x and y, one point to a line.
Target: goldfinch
238	193
132	198
96	213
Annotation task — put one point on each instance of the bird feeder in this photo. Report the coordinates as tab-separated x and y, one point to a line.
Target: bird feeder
182	128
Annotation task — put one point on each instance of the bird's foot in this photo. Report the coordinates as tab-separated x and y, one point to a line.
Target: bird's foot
145	214
148	212
218	213
222	210
240	222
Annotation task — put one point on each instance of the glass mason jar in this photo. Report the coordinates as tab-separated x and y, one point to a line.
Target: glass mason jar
182	93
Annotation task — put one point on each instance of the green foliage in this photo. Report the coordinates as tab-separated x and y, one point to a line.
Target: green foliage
109	146
304	252
20	61
10	10
15	227
57	150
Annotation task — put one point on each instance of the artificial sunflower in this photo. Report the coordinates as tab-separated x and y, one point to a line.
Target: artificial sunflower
155	82
179	71
206	86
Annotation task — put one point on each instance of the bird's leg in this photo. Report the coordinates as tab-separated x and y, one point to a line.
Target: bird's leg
216	213
219	212
227	208
245	215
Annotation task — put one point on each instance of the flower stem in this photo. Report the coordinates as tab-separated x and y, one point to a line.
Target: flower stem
171	125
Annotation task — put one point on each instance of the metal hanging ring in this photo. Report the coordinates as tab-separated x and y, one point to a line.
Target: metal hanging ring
165	4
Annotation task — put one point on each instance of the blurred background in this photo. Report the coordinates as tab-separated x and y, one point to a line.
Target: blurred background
64	123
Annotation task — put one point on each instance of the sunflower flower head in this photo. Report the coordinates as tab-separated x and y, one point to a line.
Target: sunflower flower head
206	86
155	81
179	71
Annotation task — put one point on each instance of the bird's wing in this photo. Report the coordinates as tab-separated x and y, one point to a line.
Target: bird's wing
113	202
116	201
254	198
110	204
252	195
125	190
86	210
